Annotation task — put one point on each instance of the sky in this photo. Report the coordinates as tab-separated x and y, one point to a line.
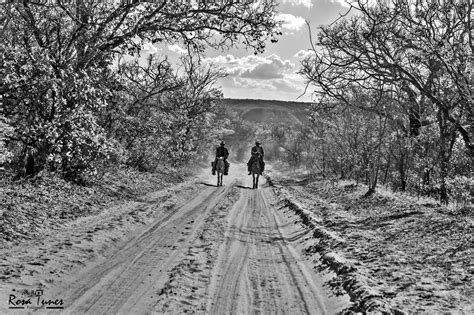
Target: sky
272	74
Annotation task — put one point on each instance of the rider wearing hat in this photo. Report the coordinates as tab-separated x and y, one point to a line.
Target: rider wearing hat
256	153
221	151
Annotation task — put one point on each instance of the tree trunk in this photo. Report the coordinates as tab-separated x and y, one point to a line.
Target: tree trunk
370	192
444	156
415	122
387	168
30	165
341	169
426	177
401	172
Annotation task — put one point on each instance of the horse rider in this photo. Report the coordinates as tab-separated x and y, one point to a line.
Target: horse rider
221	151
256	153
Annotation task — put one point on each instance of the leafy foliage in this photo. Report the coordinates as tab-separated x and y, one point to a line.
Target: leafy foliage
409	64
161	116
52	111
5	131
71	108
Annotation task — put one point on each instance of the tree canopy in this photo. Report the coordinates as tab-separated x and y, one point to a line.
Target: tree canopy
62	88
416	55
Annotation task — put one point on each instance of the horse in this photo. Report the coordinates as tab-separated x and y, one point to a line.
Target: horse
220	169
255	169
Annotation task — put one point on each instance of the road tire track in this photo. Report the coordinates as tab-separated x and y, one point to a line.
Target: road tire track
228	250
123	282
258	268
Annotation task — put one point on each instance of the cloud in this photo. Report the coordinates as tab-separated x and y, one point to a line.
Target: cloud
309	3
291	22
272	68
251	86
306	3
344	3
230	60
257	67
303	54
283	88
252	76
288	83
177	50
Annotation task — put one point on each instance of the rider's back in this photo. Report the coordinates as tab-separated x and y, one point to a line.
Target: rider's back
222	151
257	151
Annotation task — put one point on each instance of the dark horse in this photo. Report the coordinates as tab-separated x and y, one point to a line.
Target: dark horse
220	168
256	169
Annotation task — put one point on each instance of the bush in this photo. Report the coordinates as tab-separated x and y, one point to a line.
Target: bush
53	113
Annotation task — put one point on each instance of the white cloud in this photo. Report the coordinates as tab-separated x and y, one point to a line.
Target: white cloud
251	66
343	3
288	88
273	67
251	76
309	3
303	54
177	50
306	3
230	60
291	22
287	83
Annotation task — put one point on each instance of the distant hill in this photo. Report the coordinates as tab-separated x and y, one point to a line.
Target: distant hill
268	111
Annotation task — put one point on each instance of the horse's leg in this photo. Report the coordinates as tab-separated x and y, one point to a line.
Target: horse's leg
256	183
253	180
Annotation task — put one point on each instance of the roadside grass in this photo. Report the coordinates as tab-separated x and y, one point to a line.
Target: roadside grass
416	253
32	207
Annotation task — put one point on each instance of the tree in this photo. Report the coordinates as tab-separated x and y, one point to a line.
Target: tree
292	140
53	116
57	66
163	115
421	49
191	110
85	32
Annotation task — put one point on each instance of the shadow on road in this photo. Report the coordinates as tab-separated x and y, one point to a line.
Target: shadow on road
296	182
243	187
207	184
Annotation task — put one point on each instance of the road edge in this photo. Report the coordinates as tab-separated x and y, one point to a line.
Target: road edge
364	298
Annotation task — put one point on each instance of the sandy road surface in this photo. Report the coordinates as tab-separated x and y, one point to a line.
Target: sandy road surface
225	250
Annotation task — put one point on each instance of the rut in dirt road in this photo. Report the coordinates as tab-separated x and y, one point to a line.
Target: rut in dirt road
227	250
258	270
125	282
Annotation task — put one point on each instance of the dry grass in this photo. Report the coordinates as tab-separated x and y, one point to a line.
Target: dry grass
32	207
417	253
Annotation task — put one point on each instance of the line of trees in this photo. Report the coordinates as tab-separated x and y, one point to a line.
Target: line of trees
395	97
398	73
70	102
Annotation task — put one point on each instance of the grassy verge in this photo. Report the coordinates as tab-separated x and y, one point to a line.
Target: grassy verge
32	207
390	253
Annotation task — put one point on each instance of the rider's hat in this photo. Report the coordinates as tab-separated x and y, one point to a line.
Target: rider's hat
257	142
222	142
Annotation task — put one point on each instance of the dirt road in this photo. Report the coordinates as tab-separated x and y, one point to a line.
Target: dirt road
221	250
